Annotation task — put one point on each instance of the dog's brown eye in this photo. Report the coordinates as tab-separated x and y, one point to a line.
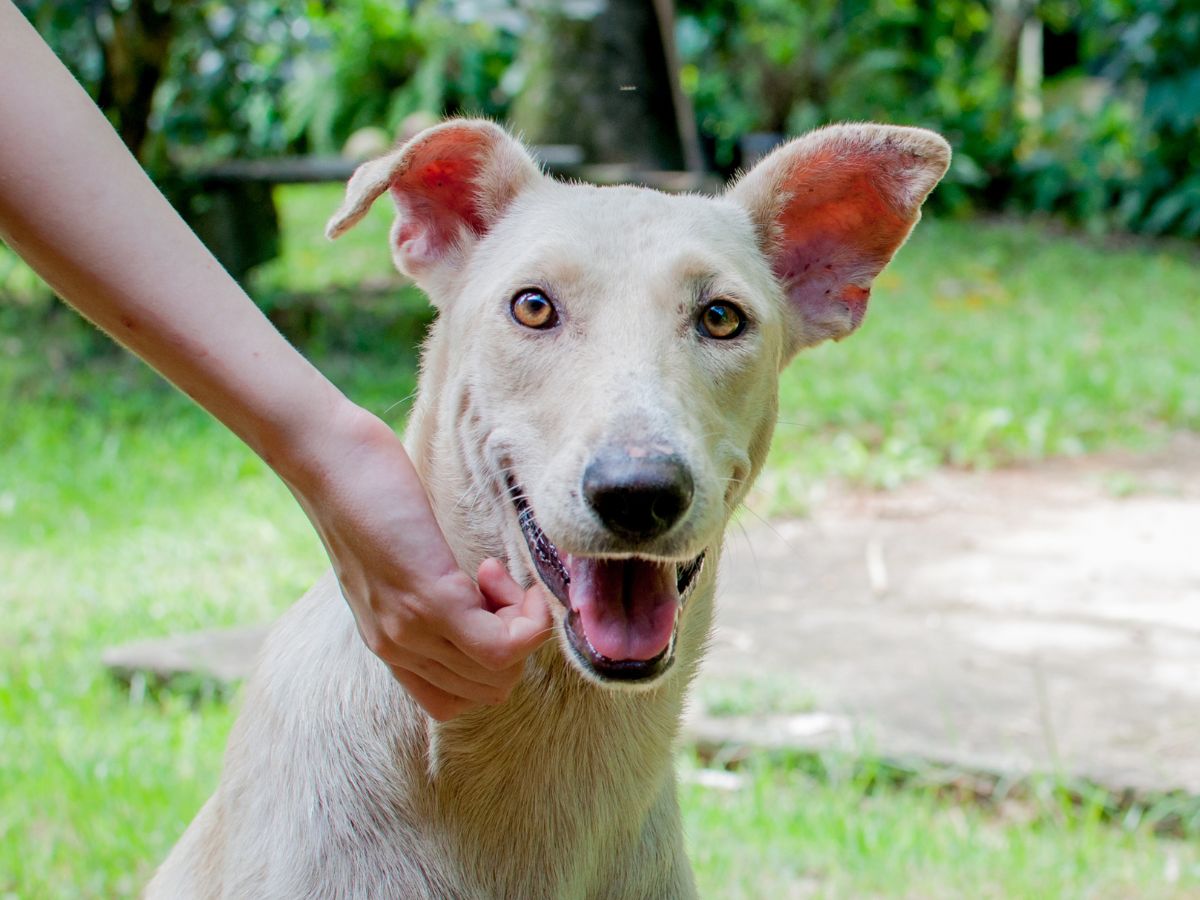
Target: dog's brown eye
721	320
533	309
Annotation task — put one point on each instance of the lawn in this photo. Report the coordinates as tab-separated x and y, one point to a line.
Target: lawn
125	513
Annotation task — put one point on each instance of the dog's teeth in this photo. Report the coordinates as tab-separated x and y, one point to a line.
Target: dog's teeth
689	574
541	548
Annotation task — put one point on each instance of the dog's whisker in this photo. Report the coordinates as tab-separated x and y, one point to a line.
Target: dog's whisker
399	402
775	531
474	493
753	555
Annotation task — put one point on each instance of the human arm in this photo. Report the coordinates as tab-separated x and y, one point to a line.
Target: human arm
75	204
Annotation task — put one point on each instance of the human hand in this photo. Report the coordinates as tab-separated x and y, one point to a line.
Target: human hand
454	646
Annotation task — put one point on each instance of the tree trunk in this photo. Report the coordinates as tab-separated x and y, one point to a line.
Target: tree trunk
135	42
602	81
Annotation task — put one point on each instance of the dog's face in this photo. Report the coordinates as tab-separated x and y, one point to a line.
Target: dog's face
627	349
624	347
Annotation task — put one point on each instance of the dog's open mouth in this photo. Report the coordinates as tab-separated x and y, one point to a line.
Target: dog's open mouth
622	613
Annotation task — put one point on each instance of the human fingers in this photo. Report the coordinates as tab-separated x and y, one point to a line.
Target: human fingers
422	634
529	622
499	589
510	625
439	704
442	693
523	610
501	641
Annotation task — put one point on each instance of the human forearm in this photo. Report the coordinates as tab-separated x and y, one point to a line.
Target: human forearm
76	205
115	249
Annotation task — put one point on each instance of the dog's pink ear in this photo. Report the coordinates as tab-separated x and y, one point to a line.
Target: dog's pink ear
450	184
831	208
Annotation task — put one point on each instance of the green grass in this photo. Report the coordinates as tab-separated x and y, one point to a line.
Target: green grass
799	827
991	344
127	513
131	515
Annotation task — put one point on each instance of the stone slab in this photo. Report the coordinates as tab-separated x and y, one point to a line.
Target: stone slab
226	655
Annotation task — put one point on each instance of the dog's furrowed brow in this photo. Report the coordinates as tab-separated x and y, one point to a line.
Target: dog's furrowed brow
549	267
705	276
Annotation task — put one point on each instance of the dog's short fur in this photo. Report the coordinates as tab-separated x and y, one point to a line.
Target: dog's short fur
335	783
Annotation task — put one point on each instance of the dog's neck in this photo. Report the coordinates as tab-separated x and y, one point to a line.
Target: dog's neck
558	735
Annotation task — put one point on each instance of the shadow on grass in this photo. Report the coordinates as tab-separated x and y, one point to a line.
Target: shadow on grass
195	690
1044	798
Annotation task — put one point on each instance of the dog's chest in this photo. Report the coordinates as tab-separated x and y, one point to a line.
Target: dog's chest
562	810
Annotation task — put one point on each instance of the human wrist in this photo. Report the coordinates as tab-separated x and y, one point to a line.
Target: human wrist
298	440
310	453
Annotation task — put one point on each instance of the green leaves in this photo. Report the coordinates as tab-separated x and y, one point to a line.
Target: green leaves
1114	145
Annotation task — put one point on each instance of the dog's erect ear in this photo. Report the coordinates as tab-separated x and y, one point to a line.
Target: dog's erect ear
450	184
831	208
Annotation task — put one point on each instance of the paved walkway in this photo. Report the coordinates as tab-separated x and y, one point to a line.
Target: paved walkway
1042	619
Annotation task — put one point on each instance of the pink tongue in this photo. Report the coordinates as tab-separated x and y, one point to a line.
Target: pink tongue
626	607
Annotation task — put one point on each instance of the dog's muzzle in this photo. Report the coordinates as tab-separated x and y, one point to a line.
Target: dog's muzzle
622	613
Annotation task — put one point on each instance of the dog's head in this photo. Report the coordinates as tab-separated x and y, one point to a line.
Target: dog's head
611	355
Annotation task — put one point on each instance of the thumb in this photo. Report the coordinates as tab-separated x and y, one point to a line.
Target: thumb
499	590
530	623
525	613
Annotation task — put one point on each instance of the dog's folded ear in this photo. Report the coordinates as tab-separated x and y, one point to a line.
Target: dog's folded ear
450	184
831	208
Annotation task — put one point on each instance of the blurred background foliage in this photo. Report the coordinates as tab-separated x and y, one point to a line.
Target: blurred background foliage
1086	108
201	82
1089	109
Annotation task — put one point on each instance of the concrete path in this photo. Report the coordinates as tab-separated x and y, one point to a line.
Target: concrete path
1044	619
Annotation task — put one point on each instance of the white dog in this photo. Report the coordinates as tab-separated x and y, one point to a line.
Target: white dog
596	396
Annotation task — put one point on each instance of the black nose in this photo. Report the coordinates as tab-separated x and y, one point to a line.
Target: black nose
638	497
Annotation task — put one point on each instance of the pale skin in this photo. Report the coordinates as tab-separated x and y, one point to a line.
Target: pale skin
80	210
